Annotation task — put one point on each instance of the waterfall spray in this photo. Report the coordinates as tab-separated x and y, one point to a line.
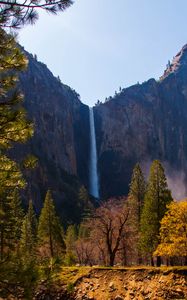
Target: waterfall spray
94	181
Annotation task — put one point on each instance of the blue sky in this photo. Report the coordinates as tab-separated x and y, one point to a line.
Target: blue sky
98	45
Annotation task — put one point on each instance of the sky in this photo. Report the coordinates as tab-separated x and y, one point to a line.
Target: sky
97	46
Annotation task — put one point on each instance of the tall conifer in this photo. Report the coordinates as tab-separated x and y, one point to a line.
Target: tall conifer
49	230
135	201
28	240
156	199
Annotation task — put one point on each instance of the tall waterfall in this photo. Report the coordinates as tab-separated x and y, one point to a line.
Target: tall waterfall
94	182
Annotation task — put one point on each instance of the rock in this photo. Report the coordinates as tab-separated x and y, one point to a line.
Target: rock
111	286
118	297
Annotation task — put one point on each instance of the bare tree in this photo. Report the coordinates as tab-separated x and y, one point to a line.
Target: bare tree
108	228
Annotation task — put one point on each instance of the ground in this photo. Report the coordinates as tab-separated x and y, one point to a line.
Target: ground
139	283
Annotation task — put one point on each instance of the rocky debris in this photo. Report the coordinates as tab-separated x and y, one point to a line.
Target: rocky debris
138	285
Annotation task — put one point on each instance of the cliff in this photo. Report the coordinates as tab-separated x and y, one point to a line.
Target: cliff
60	141
141	123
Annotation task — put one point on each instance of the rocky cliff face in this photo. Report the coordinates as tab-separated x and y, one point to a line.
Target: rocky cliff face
60	141
141	123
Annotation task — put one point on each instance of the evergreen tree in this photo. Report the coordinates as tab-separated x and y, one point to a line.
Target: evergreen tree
18	13
156	199
70	239
10	223
136	194
14	127
50	233
135	201
28	241
32	219
17	214
85	202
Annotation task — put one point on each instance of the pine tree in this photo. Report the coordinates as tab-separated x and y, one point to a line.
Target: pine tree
10	223
70	239
85	202
32	219
155	205
28	241
17	216
136	194
135	201
18	13
49	230
14	127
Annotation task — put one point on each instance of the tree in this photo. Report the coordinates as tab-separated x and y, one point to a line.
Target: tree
14	127
155	205
49	228
28	241
17	214
11	216
85	202
136	194
108	228
16	13
173	231
70	239
135	200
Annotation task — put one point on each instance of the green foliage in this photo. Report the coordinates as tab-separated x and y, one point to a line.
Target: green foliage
136	195
30	162
70	239
10	223
28	241
156	199
24	12
85	202
50	233
14	127
70	287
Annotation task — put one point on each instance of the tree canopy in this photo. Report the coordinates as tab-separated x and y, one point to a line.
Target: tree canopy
173	231
156	199
17	13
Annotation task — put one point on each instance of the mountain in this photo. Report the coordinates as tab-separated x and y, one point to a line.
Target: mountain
60	141
141	123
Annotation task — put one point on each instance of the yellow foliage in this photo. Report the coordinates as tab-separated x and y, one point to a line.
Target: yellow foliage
173	231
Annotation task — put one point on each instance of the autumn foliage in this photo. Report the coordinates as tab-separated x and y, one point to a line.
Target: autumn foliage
173	231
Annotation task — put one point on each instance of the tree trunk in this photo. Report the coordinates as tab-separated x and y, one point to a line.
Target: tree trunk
152	262
158	261
112	257
2	243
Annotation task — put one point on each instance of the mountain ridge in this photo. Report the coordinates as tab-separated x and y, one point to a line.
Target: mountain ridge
141	123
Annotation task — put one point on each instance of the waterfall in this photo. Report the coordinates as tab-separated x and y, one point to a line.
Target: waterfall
94	182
